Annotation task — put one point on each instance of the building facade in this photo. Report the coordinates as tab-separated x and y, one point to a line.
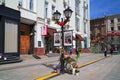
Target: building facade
107	31
97	27
38	13
9	34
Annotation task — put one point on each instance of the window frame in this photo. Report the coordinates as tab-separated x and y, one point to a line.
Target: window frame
31	5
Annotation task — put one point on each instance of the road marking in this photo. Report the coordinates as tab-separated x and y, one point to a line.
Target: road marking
90	62
47	76
81	65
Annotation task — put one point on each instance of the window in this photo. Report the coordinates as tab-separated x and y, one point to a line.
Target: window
84	13
31	5
112	28
46	9
118	19
20	3
85	43
112	21
11	36
118	27
53	9
77	23
54	0
85	27
77	8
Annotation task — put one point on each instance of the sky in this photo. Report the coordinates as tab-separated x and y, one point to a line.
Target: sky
101	8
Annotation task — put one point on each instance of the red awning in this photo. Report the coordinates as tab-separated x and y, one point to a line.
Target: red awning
95	41
117	34
79	37
51	32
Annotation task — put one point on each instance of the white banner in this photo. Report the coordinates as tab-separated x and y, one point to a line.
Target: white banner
44	30
68	38
57	39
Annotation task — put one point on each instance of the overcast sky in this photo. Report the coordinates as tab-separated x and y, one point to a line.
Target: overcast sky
100	8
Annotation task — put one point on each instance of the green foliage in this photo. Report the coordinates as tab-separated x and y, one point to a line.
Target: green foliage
69	59
69	70
71	63
78	55
77	71
95	48
74	64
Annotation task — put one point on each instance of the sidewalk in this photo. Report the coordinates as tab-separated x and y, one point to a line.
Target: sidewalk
31	68
28	60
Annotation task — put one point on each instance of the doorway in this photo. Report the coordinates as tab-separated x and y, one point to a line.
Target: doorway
26	39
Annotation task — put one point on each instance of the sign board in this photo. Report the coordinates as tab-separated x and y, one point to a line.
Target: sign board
57	39
68	38
44	30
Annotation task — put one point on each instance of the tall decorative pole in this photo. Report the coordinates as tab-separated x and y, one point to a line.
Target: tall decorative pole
56	15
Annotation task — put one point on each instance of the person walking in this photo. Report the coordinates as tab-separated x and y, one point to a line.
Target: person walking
70	50
76	50
111	51
105	51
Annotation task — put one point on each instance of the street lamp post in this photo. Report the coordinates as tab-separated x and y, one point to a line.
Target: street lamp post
56	15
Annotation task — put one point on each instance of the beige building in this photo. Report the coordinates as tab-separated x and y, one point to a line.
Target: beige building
106	30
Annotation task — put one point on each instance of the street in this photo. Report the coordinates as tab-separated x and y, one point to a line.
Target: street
106	69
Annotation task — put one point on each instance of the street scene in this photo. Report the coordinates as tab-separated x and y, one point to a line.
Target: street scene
59	40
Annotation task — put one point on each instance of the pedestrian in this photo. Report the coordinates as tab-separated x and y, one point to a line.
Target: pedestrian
76	50
111	51
105	51
70	50
46	52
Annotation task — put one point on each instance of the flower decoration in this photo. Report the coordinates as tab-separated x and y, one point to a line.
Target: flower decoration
61	23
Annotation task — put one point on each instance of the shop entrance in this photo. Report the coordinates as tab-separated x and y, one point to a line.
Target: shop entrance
26	39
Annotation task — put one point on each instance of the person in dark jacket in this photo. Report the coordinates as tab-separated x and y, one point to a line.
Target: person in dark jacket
70	51
105	51
111	51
